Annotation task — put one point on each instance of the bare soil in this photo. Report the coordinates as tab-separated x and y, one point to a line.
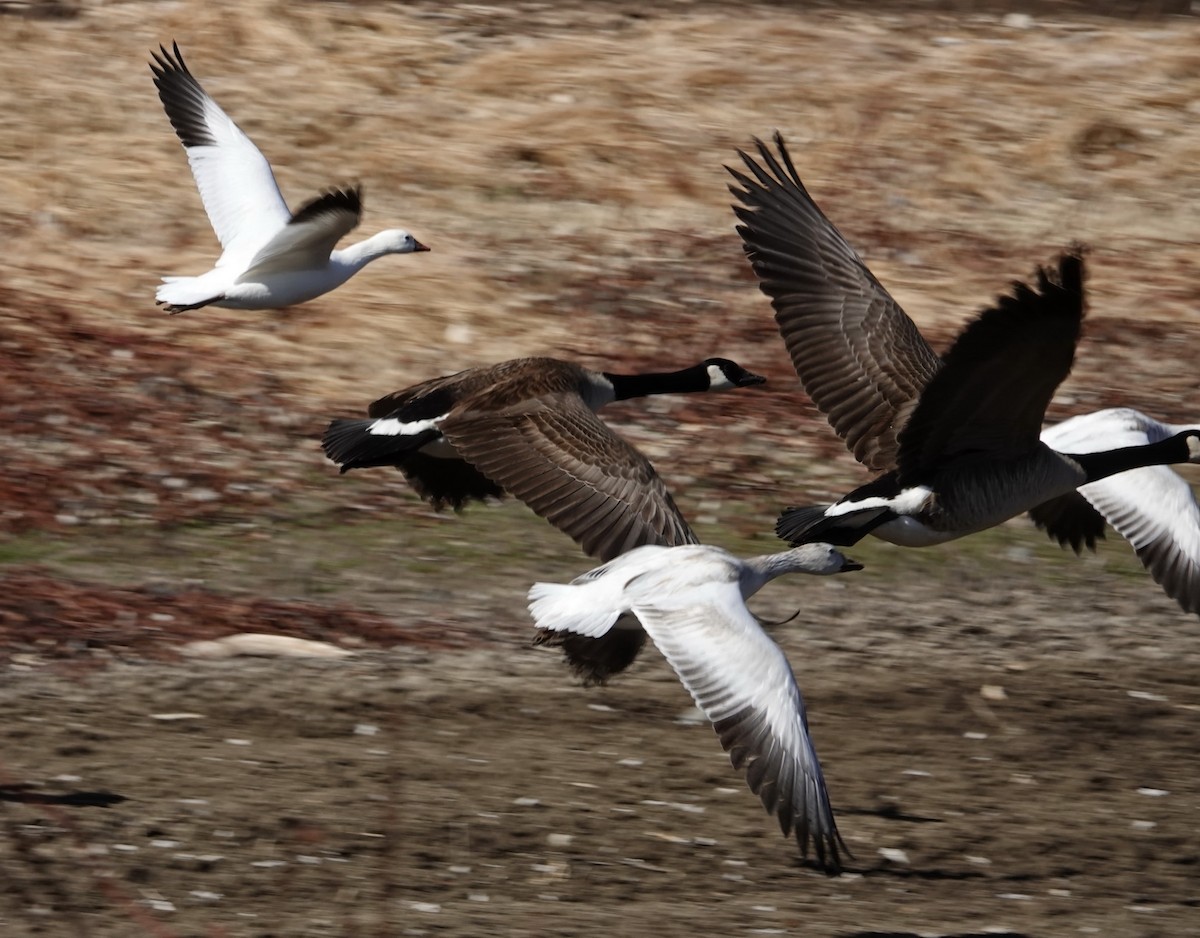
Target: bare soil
1009	732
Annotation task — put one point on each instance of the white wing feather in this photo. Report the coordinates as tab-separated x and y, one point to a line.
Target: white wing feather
1153	508
742	681
237	187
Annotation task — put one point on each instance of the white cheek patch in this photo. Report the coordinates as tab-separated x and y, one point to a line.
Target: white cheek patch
392	426
717	381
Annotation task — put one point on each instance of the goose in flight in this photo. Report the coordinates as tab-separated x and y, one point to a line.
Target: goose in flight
958	438
528	428
691	600
270	257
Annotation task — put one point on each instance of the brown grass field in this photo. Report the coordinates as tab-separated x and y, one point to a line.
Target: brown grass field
1009	732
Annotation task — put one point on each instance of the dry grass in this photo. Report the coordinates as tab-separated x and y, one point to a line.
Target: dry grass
545	151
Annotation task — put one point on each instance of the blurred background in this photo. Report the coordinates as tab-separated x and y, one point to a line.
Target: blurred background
162	478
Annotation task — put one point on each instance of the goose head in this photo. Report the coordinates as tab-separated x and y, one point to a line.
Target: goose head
397	241
821	559
724	374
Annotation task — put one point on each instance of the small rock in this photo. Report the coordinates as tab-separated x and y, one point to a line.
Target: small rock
262	645
1017	21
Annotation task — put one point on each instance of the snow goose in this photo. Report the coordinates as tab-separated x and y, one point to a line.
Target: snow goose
270	257
959	439
528	428
1153	508
691	600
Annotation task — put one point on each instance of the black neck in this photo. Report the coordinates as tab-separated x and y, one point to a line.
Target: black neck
1163	453
667	382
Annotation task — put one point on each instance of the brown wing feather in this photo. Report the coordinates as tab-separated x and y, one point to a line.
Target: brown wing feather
997	380
506	384
858	355
569	467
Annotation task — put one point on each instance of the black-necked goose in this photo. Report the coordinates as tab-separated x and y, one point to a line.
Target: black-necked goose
528	428
959	438
270	257
692	602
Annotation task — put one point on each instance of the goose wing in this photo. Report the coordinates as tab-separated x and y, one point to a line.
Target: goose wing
745	686
997	379
236	184
1153	508
563	461
859	356
310	236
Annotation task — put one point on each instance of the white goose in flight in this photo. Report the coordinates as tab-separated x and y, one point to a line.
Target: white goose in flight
271	258
691	600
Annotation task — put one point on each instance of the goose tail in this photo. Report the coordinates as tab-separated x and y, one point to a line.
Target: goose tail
564	607
811	523
352	444
180	294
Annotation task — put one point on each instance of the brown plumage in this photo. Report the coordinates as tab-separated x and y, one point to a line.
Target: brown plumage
528	428
858	356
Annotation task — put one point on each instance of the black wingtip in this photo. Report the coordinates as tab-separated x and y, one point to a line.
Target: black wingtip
338	199
168	60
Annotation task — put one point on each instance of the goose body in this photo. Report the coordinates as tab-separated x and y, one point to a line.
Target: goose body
528	428
691	600
959	439
271	257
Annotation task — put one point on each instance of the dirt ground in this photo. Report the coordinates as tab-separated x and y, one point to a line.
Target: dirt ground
1009	732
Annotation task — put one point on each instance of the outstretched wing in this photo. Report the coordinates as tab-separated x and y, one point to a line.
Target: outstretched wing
236	184
566	464
997	379
745	686
859	357
1153	507
307	240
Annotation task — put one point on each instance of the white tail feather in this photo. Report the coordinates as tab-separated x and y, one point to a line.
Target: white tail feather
566	608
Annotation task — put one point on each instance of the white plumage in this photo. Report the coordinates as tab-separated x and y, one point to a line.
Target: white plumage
1153	508
691	601
271	258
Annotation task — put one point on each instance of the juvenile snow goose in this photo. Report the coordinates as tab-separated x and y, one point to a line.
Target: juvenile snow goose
271	258
692	601
959	439
528	428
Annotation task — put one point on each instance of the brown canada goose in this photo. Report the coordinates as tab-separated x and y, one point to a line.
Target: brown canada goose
957	437
692	602
528	428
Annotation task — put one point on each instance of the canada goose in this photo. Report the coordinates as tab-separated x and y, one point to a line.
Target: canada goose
692	601
957	438
271	257
528	428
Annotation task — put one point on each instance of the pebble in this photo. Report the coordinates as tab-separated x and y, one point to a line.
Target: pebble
262	645
894	855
